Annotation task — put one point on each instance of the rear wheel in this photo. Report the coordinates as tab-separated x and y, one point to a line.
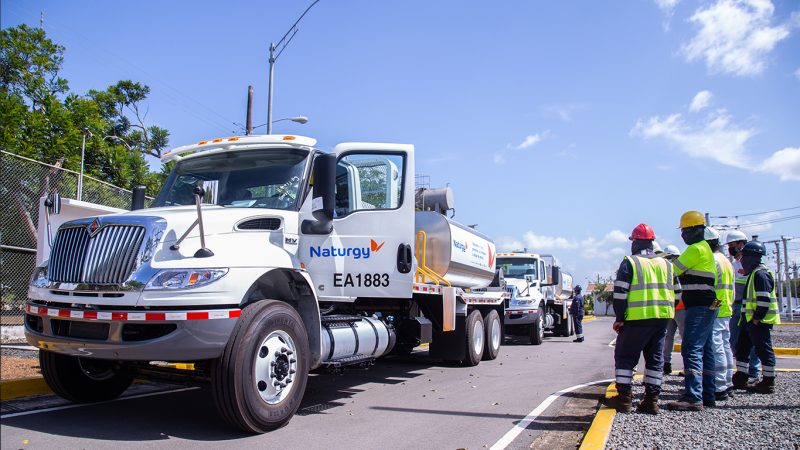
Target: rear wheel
565	327
83	380
494	335
475	339
537	328
259	380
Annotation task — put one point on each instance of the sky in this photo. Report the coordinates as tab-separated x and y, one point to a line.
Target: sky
559	125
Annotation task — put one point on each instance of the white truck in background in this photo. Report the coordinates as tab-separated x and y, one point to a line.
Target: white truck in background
262	259
540	295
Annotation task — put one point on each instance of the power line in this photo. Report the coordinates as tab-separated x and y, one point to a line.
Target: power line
758	223
754	214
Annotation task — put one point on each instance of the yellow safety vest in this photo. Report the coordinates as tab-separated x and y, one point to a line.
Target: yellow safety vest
724	285
652	294
750	302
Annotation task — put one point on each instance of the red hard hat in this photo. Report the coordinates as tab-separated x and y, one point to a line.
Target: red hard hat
642	232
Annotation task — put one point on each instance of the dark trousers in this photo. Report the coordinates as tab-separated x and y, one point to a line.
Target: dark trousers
578	321
758	337
634	338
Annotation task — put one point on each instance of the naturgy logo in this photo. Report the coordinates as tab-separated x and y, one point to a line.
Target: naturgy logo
355	252
460	246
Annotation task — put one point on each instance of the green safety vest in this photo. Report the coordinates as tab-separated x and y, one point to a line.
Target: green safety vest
750	303
699	271
652	294
724	285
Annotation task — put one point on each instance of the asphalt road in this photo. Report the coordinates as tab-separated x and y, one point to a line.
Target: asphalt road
399	403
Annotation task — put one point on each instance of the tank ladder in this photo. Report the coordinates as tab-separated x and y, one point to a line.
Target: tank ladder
423	271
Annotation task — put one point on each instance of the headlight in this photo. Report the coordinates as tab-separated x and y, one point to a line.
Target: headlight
184	278
39	277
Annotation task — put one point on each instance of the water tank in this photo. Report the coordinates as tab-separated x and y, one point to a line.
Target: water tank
564	289
461	255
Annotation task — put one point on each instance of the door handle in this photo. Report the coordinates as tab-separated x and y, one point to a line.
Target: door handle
404	261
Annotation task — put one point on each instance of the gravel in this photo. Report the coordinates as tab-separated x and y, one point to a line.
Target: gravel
748	421
18	363
786	336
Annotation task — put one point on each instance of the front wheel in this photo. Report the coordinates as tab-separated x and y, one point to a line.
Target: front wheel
494	335
259	380
83	380
537	328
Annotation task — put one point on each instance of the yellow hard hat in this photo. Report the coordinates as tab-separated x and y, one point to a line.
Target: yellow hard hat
692	219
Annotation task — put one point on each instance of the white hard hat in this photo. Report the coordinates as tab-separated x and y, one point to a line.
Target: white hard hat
711	234
734	236
672	250
656	247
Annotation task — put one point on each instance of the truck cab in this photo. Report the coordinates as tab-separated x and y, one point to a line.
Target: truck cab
537	302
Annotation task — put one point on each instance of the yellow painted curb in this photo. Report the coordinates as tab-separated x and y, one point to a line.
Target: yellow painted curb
589	319
600	430
24	387
788	324
779	351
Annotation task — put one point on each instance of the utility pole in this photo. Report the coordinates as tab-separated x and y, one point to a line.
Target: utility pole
708	220
787	277
778	271
796	292
249	122
80	177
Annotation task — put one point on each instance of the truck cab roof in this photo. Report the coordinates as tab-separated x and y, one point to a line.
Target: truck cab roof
517	255
237	143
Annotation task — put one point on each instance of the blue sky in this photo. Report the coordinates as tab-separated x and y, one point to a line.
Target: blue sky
559	125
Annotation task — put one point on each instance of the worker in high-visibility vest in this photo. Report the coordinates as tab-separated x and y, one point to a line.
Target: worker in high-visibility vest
735	240
644	302
671	253
759	314
721	335
697	271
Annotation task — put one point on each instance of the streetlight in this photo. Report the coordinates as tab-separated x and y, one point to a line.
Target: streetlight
85	131
273	57
298	119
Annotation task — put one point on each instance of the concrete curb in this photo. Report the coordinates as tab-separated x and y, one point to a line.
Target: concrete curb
24	387
779	351
600	429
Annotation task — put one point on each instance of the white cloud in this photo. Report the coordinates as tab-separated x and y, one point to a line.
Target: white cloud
668	8
564	111
735	36
716	139
499	158
797	73
529	141
590	247
750	224
700	101
784	163
541	242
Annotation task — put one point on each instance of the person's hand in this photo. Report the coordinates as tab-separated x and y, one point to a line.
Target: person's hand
617	326
756	321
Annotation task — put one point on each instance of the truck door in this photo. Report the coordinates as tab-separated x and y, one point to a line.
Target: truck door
368	254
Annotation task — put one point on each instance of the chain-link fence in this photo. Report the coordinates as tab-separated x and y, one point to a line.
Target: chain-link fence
23	182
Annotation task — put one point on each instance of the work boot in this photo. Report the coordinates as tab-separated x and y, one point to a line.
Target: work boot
730	391
621	402
710	403
765	386
580	339
721	396
649	405
667	368
685	405
740	380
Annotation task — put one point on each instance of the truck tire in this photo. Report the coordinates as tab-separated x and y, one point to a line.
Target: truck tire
564	328
494	335
475	339
259	381
83	380
537	328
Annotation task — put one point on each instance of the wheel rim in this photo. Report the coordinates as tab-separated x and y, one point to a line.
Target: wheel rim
496	334
477	337
95	370
275	367
541	326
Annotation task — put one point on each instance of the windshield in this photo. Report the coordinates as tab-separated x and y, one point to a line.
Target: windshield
239	179
518	267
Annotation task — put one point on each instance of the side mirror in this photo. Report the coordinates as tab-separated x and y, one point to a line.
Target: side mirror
53	203
137	198
556	275
324	199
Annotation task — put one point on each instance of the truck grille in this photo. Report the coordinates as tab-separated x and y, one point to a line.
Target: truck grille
108	257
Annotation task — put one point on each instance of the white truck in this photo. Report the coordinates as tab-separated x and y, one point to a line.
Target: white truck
261	259
540	295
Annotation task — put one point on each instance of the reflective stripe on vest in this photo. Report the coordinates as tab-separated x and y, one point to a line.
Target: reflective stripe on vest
724	285
651	295
750	302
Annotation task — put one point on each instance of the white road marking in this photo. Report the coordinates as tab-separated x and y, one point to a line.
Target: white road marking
613	343
512	434
59	408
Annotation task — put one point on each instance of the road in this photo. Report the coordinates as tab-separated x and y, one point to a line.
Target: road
400	403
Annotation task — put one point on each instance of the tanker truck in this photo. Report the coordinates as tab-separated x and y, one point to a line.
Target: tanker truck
539	293
262	258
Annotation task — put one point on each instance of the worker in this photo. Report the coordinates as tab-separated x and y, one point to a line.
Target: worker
697	271
721	335
760	313
576	310
644	302
735	241
671	253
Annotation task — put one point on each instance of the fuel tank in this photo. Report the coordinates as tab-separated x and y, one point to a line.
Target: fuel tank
461	255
